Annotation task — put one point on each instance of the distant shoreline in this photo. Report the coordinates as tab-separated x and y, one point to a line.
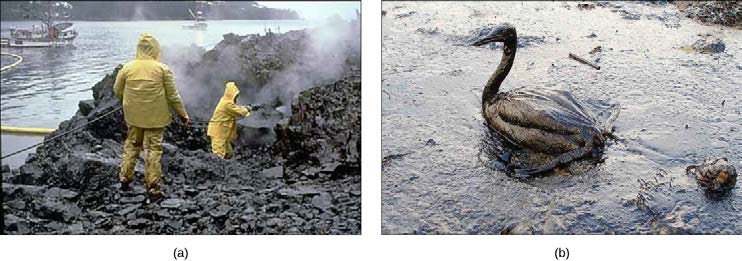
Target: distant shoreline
124	20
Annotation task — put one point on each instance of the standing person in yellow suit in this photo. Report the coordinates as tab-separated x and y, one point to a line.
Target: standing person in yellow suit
223	124
148	91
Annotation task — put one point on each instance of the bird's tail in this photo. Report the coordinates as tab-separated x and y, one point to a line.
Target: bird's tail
608	125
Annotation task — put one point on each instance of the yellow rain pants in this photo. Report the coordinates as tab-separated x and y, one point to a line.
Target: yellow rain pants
222	148
223	124
151	141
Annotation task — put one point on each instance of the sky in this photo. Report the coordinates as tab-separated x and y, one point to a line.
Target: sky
317	10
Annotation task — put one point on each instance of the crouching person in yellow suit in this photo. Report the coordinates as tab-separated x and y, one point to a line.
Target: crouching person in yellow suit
148	91
223	124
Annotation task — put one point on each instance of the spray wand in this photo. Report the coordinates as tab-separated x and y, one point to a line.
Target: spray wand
204	124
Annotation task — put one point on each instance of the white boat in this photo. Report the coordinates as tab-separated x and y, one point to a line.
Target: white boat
195	26
35	43
61	34
199	22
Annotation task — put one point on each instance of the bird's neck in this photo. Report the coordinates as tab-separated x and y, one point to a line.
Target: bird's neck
506	63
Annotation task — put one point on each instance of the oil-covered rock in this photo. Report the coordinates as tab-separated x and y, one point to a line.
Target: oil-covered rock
323	135
714	175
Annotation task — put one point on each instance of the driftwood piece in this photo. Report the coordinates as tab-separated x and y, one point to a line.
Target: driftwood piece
580	59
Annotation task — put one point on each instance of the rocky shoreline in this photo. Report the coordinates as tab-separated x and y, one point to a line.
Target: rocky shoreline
70	185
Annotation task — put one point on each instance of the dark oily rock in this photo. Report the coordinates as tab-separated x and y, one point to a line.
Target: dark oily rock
274	172
60	193
331	167
311	172
202	186
298	192
131	200
190	191
306	145
10	223
98	214
57	210
86	106
54	203
708	45
14	191
29	175
75	229
164	213
221	211
137	223
127	210
714	175
103	223
172	203
16	204
275	222
405	15
255	137
87	171
323	201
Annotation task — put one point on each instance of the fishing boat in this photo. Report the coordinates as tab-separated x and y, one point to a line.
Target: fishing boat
61	34
50	33
195	26
199	22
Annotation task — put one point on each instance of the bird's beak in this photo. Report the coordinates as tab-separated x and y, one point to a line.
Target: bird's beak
486	40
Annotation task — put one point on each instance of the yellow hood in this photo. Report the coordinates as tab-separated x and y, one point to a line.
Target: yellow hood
148	48
231	91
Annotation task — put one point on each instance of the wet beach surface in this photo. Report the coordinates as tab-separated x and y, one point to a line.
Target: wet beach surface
678	106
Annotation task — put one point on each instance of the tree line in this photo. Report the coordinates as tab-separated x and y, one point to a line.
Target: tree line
157	10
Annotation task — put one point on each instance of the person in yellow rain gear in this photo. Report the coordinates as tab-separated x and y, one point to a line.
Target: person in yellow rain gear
148	91
223	124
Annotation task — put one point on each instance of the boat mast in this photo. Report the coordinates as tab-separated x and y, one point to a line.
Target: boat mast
49	25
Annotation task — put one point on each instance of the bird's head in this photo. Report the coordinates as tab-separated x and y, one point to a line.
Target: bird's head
501	33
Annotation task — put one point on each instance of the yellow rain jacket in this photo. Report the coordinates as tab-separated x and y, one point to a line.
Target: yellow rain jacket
147	88
223	124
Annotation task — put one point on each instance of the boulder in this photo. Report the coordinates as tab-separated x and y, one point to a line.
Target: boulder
86	106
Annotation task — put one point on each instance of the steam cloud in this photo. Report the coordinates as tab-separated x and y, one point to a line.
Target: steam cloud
324	60
328	52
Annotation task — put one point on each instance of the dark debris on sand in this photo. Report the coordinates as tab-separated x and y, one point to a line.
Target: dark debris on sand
727	13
